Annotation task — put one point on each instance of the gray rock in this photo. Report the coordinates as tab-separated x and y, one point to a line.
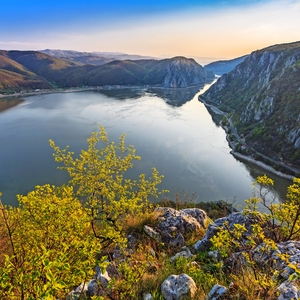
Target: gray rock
78	292
152	233
103	278
235	218
197	213
288	291
97	286
94	289
177	287
173	225
217	292
147	297
184	253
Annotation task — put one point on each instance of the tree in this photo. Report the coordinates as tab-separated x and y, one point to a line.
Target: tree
56	234
51	245
98	175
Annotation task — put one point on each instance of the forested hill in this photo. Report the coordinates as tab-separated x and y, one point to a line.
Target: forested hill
263	93
28	70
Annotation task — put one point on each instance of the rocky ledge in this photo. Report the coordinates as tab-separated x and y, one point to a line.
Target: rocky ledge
171	229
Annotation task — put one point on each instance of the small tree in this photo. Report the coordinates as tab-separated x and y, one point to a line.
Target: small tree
98	177
51	245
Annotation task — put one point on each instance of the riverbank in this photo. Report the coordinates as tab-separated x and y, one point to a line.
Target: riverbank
248	158
90	88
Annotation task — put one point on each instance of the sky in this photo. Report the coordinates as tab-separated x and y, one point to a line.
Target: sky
207	30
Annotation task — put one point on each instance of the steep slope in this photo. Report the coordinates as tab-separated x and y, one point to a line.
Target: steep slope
15	77
49	67
263	92
221	67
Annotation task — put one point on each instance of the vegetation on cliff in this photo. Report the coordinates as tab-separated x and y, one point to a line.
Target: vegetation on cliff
261	96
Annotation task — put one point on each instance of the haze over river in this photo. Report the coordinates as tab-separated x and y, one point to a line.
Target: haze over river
170	129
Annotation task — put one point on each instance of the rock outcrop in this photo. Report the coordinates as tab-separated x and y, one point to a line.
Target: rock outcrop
182	72
173	225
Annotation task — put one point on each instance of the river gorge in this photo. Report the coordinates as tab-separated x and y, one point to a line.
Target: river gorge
170	129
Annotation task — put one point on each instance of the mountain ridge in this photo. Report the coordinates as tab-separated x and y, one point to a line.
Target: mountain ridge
262	96
49	72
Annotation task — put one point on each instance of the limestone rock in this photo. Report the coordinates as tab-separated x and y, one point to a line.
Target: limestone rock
217	292
152	233
288	291
173	225
94	289
177	287
78	292
184	253
96	286
235	218
103	278
147	297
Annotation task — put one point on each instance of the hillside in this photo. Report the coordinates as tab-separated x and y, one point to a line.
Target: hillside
14	76
221	67
35	70
263	95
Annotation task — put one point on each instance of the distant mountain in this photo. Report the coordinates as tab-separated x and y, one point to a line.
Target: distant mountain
177	72
224	66
92	58
36	70
263	94
15	76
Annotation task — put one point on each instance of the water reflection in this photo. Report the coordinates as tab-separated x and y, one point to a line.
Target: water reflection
123	93
173	97
9	103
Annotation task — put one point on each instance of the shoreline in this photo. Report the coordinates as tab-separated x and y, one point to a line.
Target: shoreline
92	88
240	155
260	164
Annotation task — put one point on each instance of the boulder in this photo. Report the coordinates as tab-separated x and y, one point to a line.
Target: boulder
217	292
173	225
177	287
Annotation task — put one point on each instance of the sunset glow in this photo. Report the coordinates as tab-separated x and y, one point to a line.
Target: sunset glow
200	29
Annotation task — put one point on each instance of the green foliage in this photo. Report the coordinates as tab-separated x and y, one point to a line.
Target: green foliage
51	245
57	233
98	175
280	222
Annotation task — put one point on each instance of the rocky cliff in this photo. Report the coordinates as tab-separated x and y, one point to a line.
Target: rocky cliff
263	93
183	72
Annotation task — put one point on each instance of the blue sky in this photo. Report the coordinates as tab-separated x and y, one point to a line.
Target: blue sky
211	29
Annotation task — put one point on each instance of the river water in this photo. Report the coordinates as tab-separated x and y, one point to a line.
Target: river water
170	129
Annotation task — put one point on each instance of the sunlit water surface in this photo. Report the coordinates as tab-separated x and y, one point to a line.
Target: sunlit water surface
170	129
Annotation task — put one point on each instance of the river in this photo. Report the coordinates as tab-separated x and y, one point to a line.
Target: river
170	129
